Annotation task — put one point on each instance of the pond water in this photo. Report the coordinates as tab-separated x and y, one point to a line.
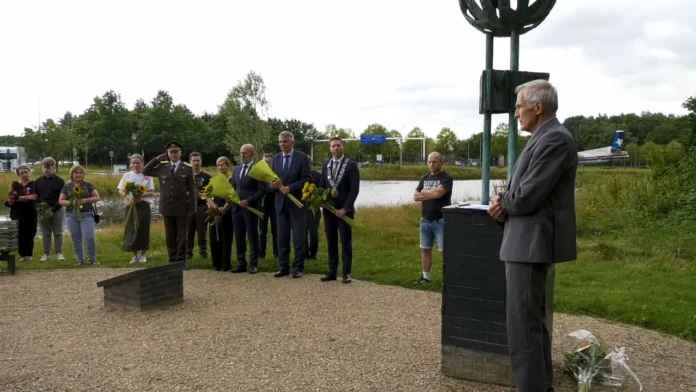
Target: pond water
372	193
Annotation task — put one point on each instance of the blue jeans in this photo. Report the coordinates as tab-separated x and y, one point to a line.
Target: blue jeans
82	231
430	231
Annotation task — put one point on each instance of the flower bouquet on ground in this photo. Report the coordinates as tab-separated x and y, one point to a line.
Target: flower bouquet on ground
321	197
44	211
219	186
262	172
137	192
75	201
592	363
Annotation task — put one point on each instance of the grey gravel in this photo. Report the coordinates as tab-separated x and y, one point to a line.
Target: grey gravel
258	333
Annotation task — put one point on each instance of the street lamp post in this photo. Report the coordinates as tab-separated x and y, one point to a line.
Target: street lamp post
135	144
42	131
74	155
111	156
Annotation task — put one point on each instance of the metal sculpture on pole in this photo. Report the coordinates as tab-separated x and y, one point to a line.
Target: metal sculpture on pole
496	18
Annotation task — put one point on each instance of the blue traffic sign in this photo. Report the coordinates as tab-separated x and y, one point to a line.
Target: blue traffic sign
379	139
366	139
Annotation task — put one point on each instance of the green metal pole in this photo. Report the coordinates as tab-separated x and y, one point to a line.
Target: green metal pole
486	158
512	130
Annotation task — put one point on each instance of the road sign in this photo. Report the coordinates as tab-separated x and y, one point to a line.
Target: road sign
366	139
111	154
379	139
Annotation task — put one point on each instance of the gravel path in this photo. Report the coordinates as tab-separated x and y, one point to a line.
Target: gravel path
258	333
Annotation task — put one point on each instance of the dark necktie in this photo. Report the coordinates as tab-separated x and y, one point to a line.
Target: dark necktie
333	169
285	163
244	171
173	168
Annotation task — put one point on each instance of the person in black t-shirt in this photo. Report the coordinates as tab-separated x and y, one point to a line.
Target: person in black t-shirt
196	223
434	191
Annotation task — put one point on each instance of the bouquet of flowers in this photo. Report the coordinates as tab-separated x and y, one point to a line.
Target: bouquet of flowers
75	201
219	186
43	210
210	215
137	191
262	172
321	197
591	363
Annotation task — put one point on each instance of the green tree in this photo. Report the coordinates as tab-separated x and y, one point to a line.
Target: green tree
445	141
413	148
103	127
243	108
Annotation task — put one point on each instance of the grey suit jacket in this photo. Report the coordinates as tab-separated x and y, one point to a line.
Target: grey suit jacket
539	204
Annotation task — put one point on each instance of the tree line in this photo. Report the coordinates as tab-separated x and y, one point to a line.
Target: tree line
108	125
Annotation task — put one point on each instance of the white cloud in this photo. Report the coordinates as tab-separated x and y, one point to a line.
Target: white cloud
399	63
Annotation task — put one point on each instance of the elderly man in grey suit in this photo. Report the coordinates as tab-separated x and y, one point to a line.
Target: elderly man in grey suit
537	213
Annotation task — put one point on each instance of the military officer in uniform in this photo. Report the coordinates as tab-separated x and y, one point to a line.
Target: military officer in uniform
178	195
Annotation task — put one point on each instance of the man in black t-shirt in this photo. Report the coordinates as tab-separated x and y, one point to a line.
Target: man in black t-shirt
434	191
196	223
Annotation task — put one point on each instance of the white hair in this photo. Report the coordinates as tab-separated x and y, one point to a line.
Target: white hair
540	91
286	135
250	147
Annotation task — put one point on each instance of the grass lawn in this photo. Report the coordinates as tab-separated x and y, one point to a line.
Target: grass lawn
639	276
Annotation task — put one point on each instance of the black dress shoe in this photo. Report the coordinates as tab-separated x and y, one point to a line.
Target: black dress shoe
253	270
238	270
186	267
225	269
346	278
281	274
218	269
328	277
297	274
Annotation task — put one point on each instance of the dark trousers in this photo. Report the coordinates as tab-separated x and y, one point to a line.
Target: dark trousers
335	227
196	224
292	219
312	242
268	215
246	224
175	233
529	340
26	226
221	243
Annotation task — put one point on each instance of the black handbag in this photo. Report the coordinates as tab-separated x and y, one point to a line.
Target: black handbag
97	214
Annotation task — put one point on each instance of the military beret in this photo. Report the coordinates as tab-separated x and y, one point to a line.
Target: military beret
174	146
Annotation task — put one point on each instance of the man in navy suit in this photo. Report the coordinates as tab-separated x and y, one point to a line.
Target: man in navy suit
342	176
250	191
292	168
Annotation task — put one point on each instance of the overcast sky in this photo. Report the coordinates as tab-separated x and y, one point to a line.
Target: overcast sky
350	63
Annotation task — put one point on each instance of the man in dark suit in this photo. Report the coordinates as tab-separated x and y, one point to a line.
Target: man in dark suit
342	176
250	191
269	214
292	168
196	222
537	213
178	196
313	220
